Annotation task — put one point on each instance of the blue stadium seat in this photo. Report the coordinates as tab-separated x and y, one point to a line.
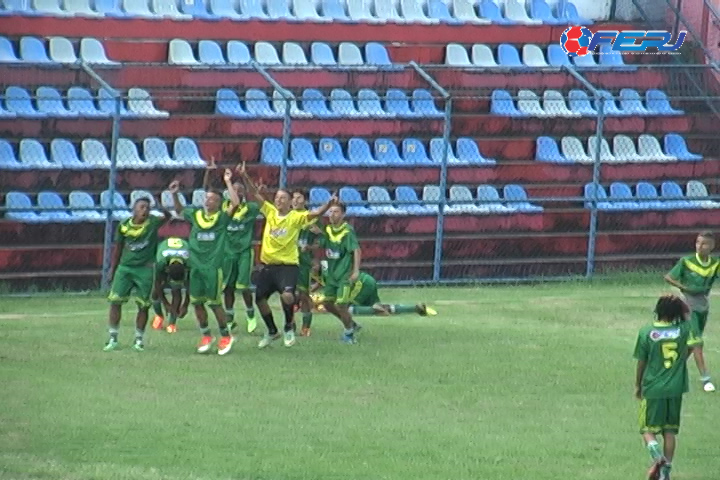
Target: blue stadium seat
334	9
8	160
622	197
7	51
567	10
502	103
16	203
658	104
381	203
82	103
198	9
359	153
18	101
556	56
540	10
408	201
109	8
386	152
322	54
307	11
424	104
440	11
314	103
64	153
647	197
210	53
580	103
414	153
108	104
279	10
128	156
238	53
489	200
491	11
121	211
586	61
437	152
271	152
462	202
302	153
349	55
185	151
3	112
32	155
16	7
359	11
398	103
342	104
94	154
50	103
253	9
468	152
138	8
675	146
631	102
319	196
83	207
517	194
227	103
257	104
330	151
546	150
53	209
602	198
377	55
157	155
674	197
225	9
356	206
48	7
508	56
609	106
613	59
369	104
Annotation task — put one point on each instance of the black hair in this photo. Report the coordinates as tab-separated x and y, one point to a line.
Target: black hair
216	192
341	206
142	199
707	234
176	271
671	307
302	192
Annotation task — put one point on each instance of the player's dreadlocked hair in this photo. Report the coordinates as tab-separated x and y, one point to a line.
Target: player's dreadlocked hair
671	307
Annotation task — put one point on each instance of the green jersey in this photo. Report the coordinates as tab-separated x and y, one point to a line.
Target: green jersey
207	237
307	238
139	241
340	244
172	250
698	278
241	228
664	347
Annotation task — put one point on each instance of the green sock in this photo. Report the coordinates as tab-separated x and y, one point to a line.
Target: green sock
173	319
403	309
666	468
250	312
157	308
654	450
230	313
357	310
306	319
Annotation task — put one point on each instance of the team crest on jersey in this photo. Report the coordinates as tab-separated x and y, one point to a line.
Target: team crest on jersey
206	236
332	254
658	335
278	232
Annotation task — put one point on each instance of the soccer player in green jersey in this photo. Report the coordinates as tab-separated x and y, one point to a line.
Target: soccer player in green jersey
306	242
661	351
343	255
172	272
239	257
136	241
207	248
694	275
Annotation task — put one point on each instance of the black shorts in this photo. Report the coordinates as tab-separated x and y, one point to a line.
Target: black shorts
275	278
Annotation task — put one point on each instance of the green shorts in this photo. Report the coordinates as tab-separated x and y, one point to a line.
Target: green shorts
206	285
660	415
368	295
237	270
304	269
346	293
127	279
700	319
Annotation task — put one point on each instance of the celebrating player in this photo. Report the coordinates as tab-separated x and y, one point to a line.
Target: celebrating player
306	241
662	350
171	271
207	247
694	276
135	245
279	257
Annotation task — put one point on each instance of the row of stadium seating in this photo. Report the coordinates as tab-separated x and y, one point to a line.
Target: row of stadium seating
376	11
624	151
63	154
49	102
533	56
58	50
646	196
553	104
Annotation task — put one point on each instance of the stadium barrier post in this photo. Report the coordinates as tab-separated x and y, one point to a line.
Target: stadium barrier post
592	230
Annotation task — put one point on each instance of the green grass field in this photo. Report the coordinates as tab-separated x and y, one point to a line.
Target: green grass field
507	383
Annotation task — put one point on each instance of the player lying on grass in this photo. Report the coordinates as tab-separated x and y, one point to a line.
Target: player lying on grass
364	296
694	275
136	242
171	272
306	245
207	250
662	350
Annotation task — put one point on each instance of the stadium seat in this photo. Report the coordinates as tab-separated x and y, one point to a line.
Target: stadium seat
293	54
437	153
271	152
156	154
482	56
109	8
456	55
253	9
369	104
227	103
7	51
94	154
423	104
52	209
380	202
647	197
330	151
605	153
377	55
556	56
265	54
658	104
568	11
32	155
439	11
121	211
533	56
622	197
519	198
83	207
609	106
461	201
128	156
197	9
359	11
675	146
17	203
48	7
225	9
319	196
414	153
322	54
302	154
343	105
386	12
540	10
50	103
63	153
181	53
198	198
168	203
306	10
554	105
409	203
356	206
586	61
386	153
501	103
315	103
698	194
238	53
5	114
650	150
602	198
93	52
16	7
515	12
210	53
432	197
673	196
580	103
334	10
489	200
398	104
349	55
631	102
528	104
137	8
468	152
185	151
490	10
572	149
279	10
8	160
612	58
412	12
108	104
257	104
359	153
32	50
508	56
624	150
464	11
546	150
169	9
280	106
140	104
18	101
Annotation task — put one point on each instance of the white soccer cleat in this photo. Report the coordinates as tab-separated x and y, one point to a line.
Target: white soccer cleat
708	386
267	340
289	338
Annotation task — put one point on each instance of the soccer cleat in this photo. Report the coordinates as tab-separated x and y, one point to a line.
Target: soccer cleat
225	344
251	324
232	325
138	345
268	339
111	345
656	468
305	332
425	311
348	338
289	338
157	322
664	474
205	344
172	328
708	386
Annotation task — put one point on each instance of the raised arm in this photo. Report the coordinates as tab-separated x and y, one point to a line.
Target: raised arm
206	176
320	211
174	189
234	198
253	189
